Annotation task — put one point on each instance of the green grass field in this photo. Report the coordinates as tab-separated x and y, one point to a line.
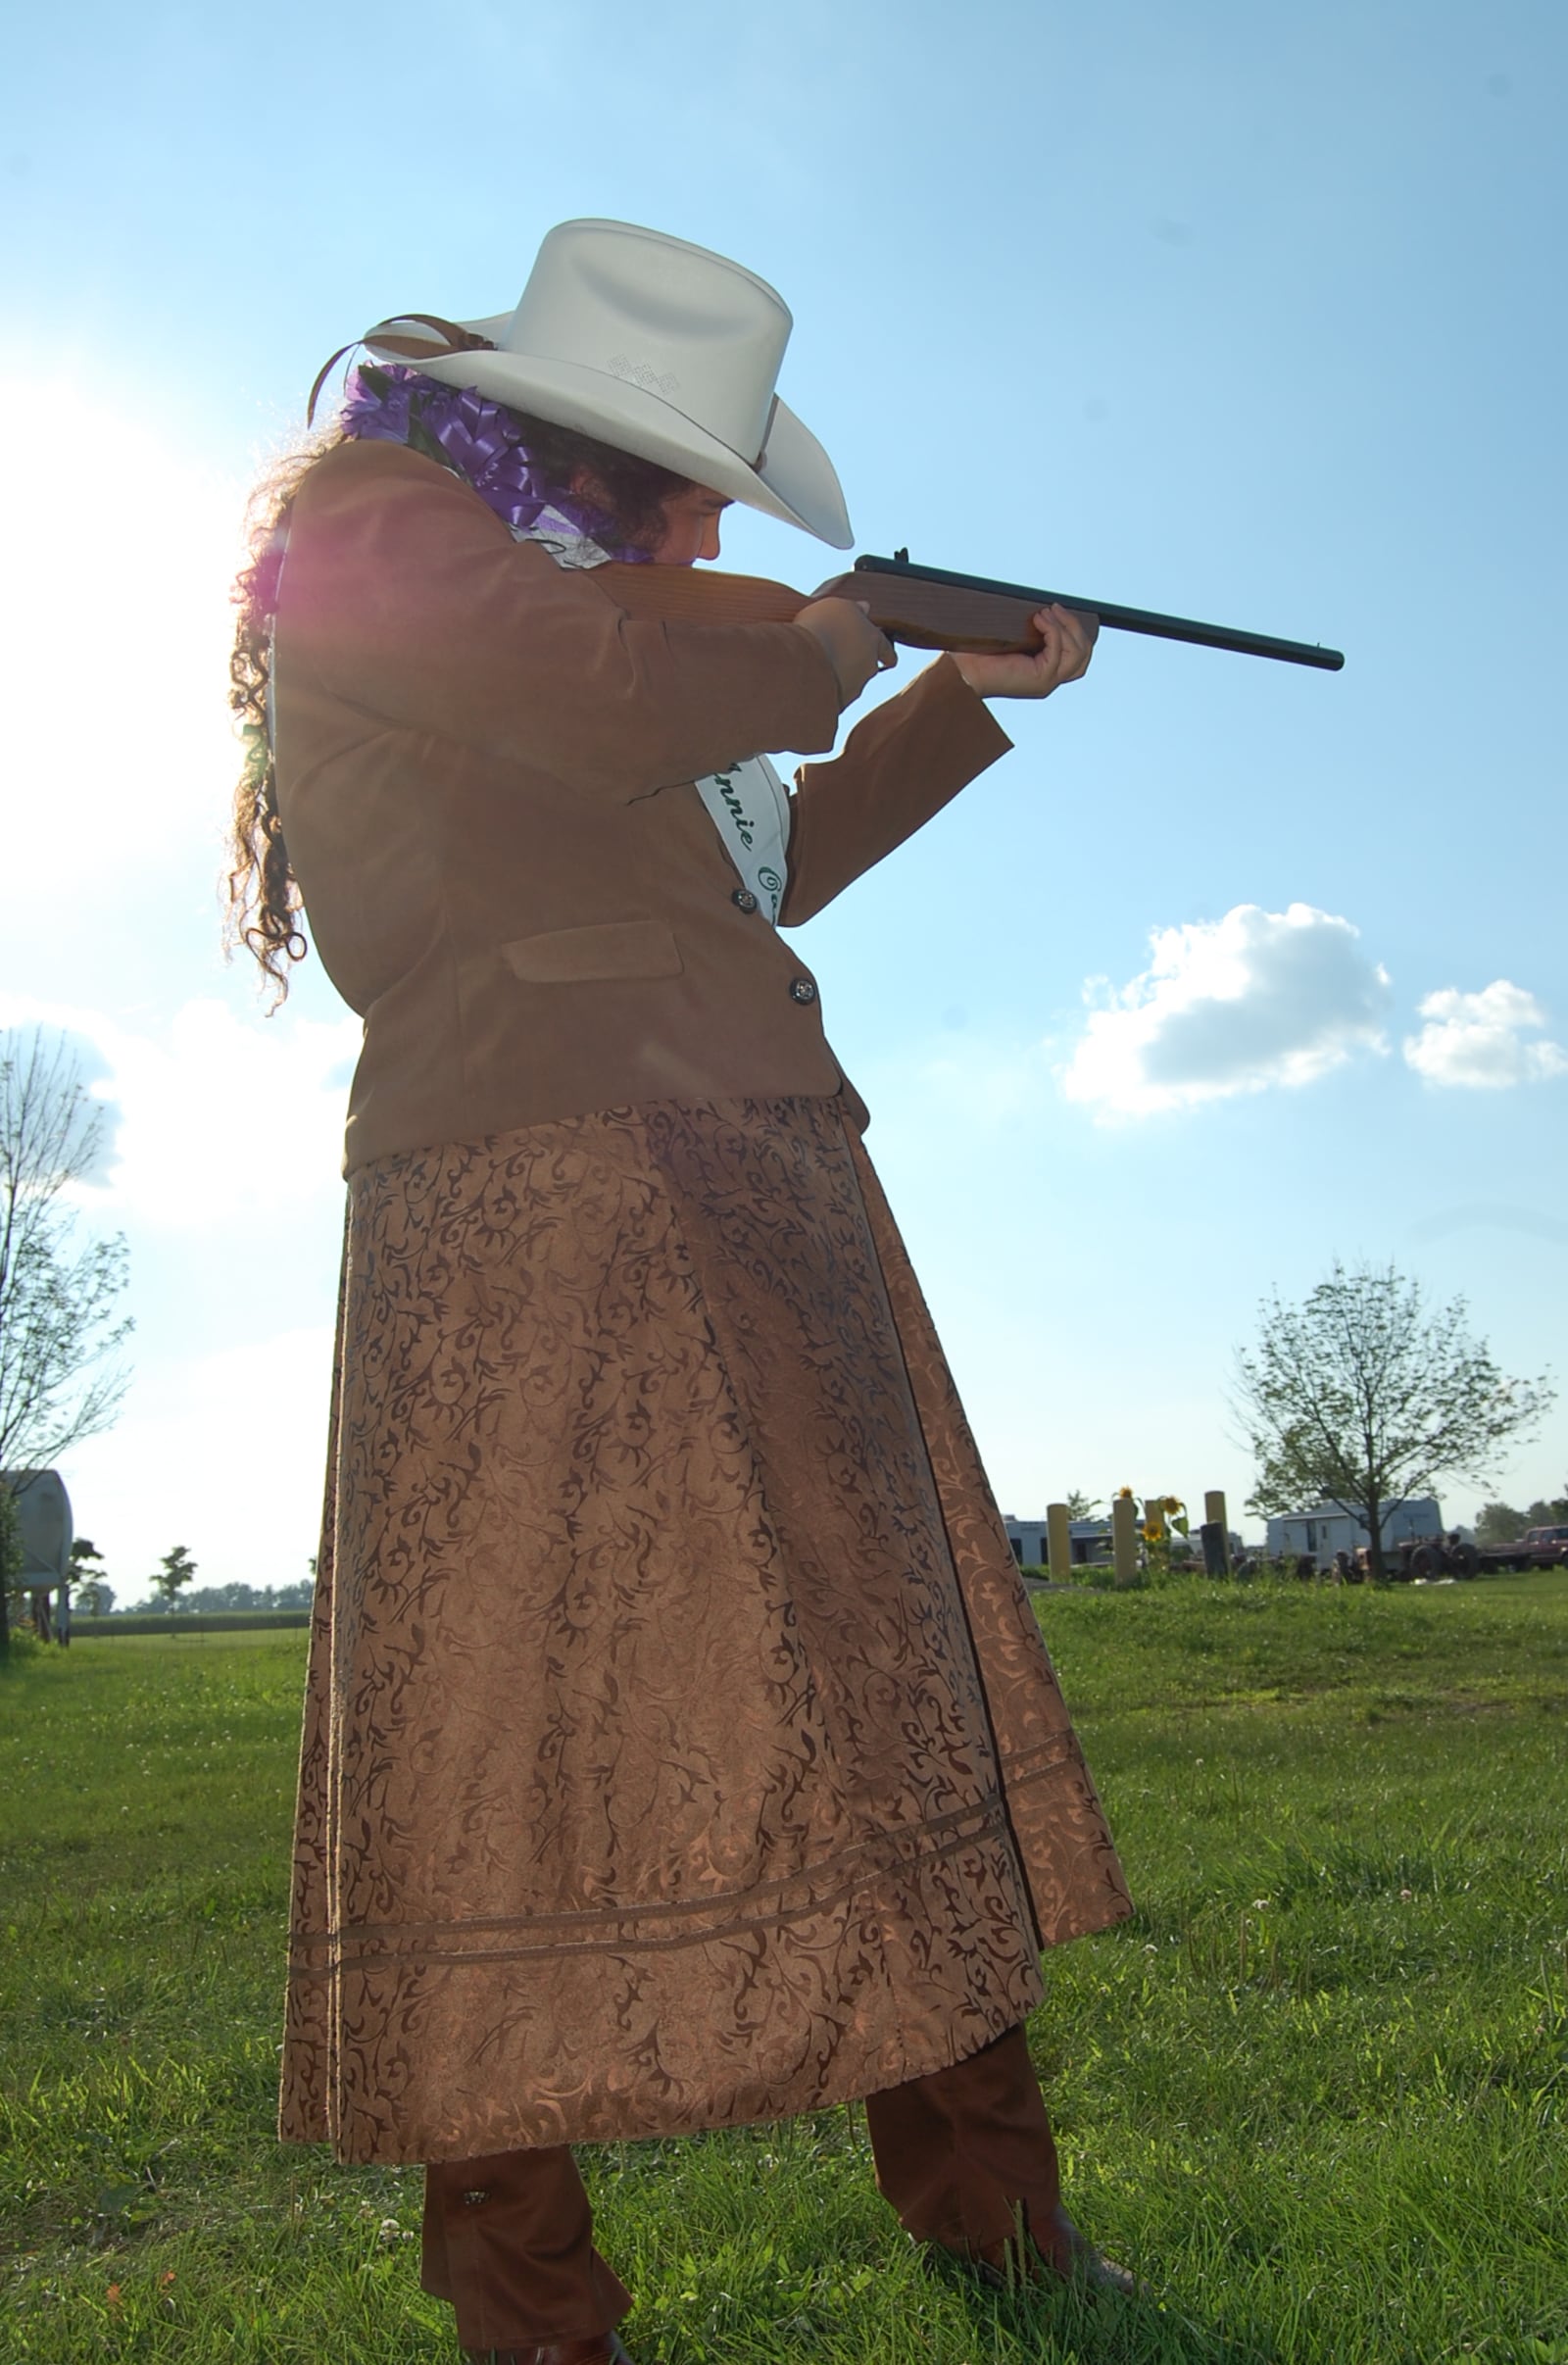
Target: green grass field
1318	2091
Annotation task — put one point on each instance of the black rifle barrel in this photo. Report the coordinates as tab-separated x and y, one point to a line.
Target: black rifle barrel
1125	620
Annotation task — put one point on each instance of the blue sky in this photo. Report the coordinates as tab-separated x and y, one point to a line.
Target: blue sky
1239	309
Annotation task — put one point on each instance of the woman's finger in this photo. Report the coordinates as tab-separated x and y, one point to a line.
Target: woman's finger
1079	633
1059	654
885	654
1048	656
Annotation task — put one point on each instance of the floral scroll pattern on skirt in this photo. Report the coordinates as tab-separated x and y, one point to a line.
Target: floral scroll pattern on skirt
680	1748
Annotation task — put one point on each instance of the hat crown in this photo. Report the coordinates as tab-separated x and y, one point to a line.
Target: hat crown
662	349
685	325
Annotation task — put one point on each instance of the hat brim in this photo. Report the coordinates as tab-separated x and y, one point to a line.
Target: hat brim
796	480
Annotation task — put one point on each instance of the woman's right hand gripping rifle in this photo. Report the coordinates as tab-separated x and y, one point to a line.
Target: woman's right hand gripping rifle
854	648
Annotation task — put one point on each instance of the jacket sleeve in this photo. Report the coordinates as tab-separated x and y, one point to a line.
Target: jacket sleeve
899	767
408	599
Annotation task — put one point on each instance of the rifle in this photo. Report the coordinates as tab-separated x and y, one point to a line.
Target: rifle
926	607
923	606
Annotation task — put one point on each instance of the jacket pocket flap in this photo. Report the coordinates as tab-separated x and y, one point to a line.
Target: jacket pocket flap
616	948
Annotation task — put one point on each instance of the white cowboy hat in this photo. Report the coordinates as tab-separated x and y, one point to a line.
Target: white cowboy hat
655	347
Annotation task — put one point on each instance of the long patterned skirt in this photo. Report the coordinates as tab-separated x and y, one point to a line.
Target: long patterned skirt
681	1748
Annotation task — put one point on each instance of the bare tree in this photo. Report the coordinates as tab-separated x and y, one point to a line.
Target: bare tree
59	1335
1361	1396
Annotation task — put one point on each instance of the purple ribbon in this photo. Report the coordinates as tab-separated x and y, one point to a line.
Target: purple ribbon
478	440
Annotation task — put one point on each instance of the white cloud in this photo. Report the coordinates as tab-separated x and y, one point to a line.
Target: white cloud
1228	1007
212	1118
1474	1039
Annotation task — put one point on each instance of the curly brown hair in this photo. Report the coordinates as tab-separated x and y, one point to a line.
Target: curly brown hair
263	897
264	901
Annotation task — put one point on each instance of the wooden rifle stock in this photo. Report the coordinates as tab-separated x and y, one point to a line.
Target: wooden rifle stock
922	607
931	609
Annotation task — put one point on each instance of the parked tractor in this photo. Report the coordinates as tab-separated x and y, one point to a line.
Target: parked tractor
1433	1557
1451	1555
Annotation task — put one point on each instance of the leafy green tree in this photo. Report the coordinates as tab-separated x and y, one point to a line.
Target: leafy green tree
1362	1397
1079	1507
1546	1515
230	1597
59	1335
177	1568
89	1578
1500	1523
238	1595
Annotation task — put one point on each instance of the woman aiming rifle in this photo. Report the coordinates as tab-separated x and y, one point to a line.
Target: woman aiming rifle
680	1749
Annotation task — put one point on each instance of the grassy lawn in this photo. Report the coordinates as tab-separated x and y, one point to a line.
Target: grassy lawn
1318	2091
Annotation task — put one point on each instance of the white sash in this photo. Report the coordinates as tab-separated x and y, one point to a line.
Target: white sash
749	809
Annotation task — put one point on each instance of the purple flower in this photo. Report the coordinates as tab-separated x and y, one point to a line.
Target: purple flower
479	441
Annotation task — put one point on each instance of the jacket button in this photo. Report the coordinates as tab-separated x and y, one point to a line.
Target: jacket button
744	900
802	990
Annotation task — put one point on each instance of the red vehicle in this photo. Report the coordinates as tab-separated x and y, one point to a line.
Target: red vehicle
1537	1547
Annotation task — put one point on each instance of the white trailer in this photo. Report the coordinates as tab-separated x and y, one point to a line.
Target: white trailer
1323	1529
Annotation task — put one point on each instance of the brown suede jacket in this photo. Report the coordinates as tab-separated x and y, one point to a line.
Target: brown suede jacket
485	775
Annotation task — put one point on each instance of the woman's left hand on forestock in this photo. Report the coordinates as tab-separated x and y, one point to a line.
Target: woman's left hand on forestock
1068	643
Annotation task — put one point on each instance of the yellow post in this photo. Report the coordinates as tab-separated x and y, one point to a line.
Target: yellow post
1124	1538
1214	1512
1059	1544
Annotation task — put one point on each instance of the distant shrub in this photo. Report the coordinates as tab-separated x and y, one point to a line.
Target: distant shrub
183	1621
